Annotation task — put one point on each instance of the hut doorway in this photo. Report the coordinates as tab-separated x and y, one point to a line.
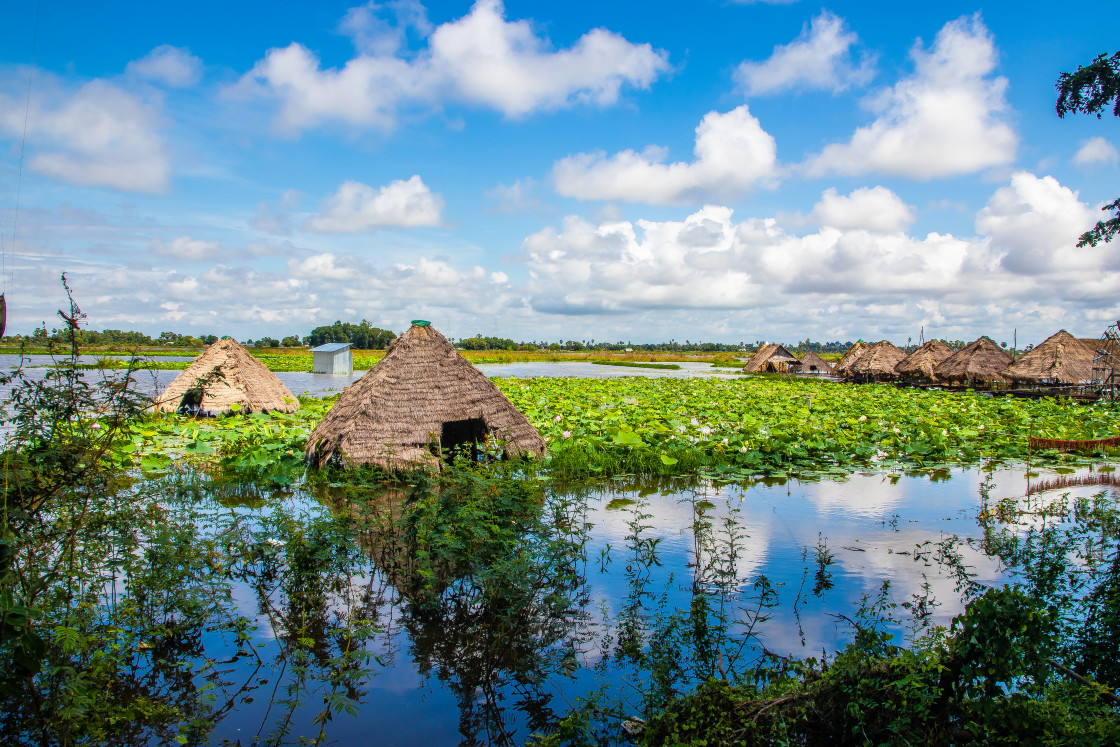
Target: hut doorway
462	436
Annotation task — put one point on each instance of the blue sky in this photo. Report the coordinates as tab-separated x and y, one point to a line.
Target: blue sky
618	171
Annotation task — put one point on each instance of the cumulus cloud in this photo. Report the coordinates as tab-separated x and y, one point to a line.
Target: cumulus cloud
732	154
1036	221
1096	150
820	58
185	248
357	207
99	135
480	59
173	66
871	208
948	118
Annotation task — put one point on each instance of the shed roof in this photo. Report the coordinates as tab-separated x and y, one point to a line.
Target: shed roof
331	347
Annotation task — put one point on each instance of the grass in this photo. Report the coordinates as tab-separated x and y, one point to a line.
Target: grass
637	364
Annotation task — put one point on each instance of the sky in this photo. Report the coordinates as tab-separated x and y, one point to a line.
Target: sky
617	171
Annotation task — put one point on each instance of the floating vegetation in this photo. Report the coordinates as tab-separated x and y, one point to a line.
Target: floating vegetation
638	364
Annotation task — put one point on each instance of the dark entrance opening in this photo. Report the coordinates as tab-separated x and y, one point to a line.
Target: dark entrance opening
462	437
191	404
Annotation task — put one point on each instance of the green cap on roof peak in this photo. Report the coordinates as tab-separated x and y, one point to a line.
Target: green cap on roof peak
420	322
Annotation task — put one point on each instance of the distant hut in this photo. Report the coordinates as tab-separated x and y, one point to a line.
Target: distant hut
979	362
771	357
1060	359
919	365
876	363
332	358
420	400
813	363
226	374
850	357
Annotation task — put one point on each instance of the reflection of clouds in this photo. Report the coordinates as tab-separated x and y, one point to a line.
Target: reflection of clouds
869	496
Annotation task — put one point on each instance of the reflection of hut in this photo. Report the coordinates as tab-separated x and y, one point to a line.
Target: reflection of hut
226	374
1060	359
919	365
850	357
979	362
813	363
421	398
877	362
772	357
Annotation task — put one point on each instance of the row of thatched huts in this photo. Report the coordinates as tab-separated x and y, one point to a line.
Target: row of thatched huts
1061	360
776	359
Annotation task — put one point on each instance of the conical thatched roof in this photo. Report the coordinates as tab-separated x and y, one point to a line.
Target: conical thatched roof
877	362
770	355
920	363
226	374
814	363
850	357
1060	359
979	362
421	396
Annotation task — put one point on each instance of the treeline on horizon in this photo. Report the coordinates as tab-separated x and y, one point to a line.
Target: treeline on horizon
364	336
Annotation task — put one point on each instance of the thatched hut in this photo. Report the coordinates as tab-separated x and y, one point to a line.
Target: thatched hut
772	357
876	363
421	400
850	357
1060	359
919	365
226	374
980	362
813	363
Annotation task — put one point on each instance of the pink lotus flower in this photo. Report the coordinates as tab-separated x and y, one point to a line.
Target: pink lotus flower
567	434
557	419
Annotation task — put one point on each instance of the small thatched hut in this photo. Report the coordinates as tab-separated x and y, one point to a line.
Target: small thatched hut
813	363
850	357
421	399
876	363
226	374
919	365
979	362
1060	359
772	357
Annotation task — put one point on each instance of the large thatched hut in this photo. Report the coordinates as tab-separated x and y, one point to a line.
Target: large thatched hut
876	363
772	357
979	362
1060	359
813	363
919	365
850	357
421	400
226	374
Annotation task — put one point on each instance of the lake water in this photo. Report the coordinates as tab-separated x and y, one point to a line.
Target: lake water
439	681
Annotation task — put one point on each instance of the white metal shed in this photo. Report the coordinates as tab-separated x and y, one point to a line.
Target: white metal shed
332	358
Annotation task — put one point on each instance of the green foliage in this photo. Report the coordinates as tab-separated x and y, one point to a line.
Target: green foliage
637	364
1091	90
363	336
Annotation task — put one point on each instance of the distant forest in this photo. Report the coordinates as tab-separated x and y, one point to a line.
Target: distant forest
364	336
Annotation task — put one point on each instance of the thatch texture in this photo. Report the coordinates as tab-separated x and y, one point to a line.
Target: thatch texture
877	362
227	374
420	397
850	357
919	365
979	362
771	357
1060	359
813	363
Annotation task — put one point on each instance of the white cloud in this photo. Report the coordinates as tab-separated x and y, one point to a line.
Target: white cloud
946	119
377	36
820	58
871	208
480	58
185	248
515	198
358	207
98	135
733	154
1096	150
1036	221
172	66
